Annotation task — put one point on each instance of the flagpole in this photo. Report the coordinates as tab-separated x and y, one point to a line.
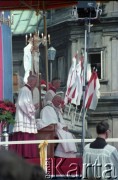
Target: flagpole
46	45
88	26
84	86
87	31
46	48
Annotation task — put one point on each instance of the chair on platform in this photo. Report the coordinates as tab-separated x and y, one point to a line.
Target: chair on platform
48	133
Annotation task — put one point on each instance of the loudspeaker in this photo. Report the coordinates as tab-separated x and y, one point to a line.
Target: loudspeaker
86	9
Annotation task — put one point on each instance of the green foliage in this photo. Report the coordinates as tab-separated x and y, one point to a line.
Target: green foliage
7	112
7	117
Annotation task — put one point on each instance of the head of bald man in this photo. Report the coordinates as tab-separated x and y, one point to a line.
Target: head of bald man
32	81
57	100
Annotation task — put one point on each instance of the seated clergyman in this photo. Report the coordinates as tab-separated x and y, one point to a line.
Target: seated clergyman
51	114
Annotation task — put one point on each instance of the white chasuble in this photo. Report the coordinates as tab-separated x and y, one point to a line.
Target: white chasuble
49	116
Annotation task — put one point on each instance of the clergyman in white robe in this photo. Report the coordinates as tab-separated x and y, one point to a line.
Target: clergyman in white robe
52	115
25	124
25	113
100	163
100	160
36	99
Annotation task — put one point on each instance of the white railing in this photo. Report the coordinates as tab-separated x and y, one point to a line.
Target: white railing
53	141
6	143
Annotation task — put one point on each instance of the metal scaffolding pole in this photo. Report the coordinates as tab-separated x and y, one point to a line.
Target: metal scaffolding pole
88	25
84	86
46	48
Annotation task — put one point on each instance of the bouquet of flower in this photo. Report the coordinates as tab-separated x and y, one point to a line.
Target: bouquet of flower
7	112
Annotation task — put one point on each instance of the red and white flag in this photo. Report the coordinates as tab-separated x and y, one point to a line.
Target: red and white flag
92	93
76	90
71	78
74	84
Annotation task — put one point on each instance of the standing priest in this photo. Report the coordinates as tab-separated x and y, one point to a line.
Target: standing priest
25	124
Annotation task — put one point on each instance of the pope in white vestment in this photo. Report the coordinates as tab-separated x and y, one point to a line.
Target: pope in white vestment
51	115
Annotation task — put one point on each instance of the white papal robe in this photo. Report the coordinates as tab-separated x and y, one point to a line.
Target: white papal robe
100	163
36	100
52	115
25	112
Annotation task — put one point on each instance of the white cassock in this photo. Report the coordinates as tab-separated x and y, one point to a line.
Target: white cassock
49	116
100	162
25	112
36	100
27	60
